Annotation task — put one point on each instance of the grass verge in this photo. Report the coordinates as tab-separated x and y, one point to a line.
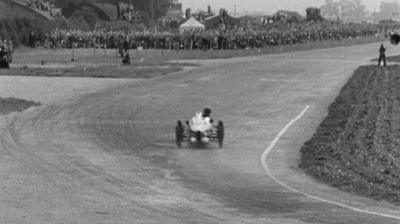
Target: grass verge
94	72
357	147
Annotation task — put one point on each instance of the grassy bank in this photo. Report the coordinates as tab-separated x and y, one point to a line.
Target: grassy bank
357	147
9	105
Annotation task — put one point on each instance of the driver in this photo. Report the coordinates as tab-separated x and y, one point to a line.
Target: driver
201	122
206	114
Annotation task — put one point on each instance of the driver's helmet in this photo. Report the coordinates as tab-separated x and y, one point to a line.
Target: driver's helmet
207	112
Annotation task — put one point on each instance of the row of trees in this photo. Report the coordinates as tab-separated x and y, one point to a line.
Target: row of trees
345	10
356	11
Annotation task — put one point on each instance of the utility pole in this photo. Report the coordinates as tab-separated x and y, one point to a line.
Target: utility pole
235	10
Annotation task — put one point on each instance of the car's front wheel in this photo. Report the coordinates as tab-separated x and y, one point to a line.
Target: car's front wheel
220	133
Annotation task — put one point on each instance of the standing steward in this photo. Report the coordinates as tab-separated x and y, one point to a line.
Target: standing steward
382	55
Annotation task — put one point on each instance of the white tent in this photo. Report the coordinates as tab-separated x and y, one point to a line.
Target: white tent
191	25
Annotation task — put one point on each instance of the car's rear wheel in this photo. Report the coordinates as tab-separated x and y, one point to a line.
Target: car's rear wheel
220	133
179	133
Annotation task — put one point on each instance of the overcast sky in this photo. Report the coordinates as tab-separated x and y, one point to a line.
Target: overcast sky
269	6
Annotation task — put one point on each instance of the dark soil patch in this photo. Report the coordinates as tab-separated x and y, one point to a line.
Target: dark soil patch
393	58
9	105
357	147
96	72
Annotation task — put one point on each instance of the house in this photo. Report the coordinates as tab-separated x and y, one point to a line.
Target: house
221	22
174	12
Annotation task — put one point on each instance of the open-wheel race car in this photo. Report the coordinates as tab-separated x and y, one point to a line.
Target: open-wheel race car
199	130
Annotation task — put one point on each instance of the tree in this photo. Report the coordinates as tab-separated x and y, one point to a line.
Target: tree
314	14
90	16
223	13
69	9
86	16
330	10
188	13
353	10
388	10
346	10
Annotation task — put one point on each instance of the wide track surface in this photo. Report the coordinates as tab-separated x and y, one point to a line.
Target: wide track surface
110	156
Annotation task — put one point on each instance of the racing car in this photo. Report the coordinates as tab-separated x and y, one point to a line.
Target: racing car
199	130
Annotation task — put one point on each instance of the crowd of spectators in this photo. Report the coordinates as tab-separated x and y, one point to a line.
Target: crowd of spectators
6	51
42	5
6	45
275	35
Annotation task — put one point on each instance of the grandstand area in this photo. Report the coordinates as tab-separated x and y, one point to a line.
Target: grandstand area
19	8
109	9
41	7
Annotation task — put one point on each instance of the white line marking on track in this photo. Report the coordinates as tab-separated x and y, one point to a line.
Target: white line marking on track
204	79
278	80
271	146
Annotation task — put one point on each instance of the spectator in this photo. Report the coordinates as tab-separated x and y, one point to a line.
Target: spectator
382	55
32	39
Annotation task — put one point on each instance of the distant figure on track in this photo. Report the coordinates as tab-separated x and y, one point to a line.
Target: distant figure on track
382	56
127	59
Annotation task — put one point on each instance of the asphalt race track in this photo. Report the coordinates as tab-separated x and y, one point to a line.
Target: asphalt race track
110	156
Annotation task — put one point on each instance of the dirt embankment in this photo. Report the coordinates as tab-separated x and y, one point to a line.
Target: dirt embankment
9	105
357	147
